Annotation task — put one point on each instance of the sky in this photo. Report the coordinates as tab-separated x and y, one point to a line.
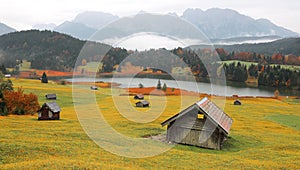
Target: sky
23	14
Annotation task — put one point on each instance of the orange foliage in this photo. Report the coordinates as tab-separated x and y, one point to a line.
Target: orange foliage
50	73
262	69
19	103
245	56
220	51
83	62
291	59
168	92
179	51
277	58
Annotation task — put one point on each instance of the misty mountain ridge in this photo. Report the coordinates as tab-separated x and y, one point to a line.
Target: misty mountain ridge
49	26
215	23
94	19
228	23
77	30
245	40
4	29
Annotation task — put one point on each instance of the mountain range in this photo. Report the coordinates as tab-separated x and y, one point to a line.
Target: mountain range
4	29
227	23
215	23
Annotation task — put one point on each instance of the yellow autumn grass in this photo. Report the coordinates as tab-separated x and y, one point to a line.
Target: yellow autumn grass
258	138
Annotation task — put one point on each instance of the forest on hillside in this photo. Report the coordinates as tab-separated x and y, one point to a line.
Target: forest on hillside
205	63
44	49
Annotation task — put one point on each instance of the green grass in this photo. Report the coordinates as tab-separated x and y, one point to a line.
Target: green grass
236	61
25	65
91	67
292	100
265	135
289	67
292	121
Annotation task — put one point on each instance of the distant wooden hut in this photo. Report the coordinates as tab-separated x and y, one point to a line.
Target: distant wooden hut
7	75
49	111
94	88
237	102
50	96
202	124
235	96
142	103
138	97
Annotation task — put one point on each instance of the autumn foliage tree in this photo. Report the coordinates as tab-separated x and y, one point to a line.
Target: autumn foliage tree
19	103
5	85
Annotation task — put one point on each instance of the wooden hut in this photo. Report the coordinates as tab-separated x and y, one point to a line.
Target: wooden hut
142	103
50	96
49	111
7	75
202	124
94	88
237	102
139	97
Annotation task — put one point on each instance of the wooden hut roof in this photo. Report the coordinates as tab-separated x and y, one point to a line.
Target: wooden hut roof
144	102
211	110
50	96
94	88
237	102
53	106
139	96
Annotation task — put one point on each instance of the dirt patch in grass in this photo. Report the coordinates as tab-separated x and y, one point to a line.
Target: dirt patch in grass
160	137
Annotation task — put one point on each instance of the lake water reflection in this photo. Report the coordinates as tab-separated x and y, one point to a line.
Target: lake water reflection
186	85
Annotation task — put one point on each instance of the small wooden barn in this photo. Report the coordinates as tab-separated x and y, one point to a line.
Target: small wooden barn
49	111
202	124
139	97
94	88
7	75
237	102
50	96
142	103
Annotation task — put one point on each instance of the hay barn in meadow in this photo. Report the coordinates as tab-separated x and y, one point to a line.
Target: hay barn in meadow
202	124
142	103
237	102
94	88
50	96
138	97
49	111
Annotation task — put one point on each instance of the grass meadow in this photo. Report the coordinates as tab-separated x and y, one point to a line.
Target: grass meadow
265	135
289	67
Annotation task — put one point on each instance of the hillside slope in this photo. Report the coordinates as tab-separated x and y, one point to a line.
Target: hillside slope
44	49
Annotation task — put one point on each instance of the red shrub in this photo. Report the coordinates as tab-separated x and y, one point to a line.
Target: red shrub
19	103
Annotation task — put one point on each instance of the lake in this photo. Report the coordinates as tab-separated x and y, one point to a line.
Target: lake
186	85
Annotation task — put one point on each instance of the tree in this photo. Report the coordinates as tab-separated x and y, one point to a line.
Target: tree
158	85
3	108
276	93
3	69
44	78
83	62
164	88
19	103
141	85
5	85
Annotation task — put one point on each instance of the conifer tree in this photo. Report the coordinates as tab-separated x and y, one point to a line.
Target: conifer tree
44	78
